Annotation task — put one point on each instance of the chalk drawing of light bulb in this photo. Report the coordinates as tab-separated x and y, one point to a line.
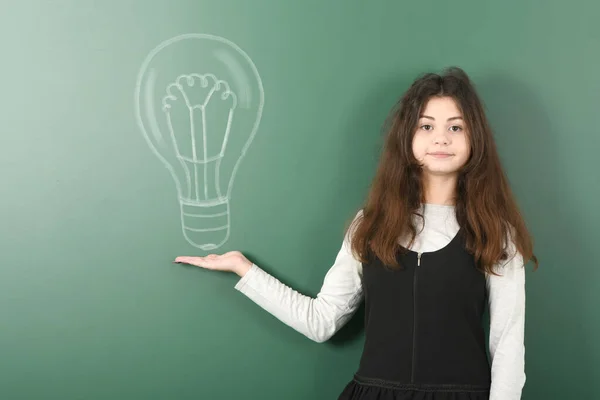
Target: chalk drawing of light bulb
199	101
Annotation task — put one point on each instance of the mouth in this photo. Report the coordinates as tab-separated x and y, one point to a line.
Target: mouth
440	154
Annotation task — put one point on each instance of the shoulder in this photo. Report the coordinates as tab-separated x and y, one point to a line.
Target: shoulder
353	225
346	254
510	269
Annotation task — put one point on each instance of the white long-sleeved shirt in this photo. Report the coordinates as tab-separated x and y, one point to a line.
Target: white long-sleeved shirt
341	293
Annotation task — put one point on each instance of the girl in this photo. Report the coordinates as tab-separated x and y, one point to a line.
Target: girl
439	238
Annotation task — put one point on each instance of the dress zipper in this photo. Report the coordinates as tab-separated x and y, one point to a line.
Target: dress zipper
412	378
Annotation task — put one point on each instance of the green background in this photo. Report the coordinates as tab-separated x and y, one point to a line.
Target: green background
91	306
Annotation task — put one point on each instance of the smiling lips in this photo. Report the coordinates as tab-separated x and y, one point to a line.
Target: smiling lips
440	154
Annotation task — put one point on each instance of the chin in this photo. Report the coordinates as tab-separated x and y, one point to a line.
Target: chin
441	172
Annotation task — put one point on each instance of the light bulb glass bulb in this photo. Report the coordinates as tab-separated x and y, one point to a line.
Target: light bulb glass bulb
199	101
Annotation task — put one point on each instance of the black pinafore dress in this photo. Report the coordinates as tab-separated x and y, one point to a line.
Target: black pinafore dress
424	336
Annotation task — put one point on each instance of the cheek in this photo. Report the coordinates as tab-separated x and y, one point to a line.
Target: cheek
418	147
465	148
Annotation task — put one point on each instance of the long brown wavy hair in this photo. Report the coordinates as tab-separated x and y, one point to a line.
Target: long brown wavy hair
484	204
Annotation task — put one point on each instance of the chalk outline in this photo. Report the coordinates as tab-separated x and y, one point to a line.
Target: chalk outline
245	96
191	107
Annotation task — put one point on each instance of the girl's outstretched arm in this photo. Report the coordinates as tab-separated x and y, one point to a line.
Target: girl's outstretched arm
317	318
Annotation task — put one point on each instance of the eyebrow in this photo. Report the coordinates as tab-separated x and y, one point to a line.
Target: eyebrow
449	119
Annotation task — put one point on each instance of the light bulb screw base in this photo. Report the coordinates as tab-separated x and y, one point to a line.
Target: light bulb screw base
205	223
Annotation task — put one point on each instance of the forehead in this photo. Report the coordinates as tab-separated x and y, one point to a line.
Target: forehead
444	107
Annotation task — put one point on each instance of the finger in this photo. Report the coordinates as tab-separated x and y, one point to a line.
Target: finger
188	260
202	262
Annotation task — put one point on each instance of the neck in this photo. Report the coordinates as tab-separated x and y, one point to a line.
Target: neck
439	189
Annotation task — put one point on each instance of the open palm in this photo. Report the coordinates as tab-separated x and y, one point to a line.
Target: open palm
233	261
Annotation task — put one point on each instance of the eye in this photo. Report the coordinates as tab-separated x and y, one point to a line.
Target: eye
459	128
425	127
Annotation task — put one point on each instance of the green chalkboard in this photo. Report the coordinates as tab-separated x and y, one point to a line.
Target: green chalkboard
126	123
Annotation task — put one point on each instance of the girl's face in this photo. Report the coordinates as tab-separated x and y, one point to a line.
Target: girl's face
440	142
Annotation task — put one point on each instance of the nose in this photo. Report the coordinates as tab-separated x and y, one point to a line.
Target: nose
441	138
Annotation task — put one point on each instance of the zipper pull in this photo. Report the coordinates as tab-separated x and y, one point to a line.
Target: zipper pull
419	259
